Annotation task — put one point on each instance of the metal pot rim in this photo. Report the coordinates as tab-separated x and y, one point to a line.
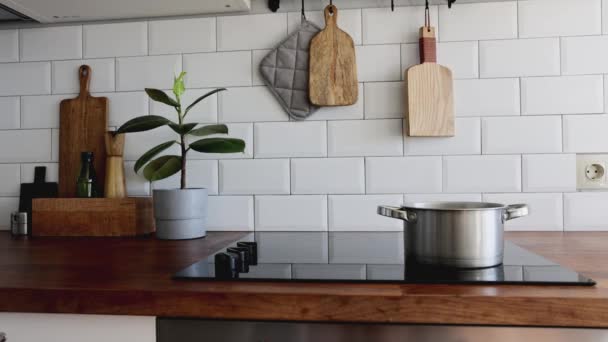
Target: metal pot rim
447	206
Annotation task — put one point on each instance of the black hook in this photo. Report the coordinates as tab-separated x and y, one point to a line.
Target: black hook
303	14
450	2
274	5
393	5
331	9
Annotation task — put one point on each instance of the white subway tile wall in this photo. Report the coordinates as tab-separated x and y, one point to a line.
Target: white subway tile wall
64	80
43	44
358	213
562	95
9	112
9	40
137	73
181	36
487	97
296	139
467	141
116	40
525	134
546	18
391	175
404	21
481	21
365	138
519	57
284	213
264	31
378	62
39	111
549	172
585	211
530	92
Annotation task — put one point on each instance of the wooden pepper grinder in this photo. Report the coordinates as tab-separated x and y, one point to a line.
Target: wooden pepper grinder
115	171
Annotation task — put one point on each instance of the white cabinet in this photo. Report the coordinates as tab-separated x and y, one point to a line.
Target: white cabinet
27	327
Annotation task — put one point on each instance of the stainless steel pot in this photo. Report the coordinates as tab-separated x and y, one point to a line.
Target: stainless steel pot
455	234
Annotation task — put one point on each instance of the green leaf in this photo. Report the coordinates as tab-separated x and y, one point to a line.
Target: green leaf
163	167
209	130
161	96
143	123
183	128
151	154
218	145
179	88
202	98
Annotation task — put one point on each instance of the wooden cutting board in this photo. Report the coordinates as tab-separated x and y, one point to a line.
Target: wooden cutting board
332	68
430	99
83	122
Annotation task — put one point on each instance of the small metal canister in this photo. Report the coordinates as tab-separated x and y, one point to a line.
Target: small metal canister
19	223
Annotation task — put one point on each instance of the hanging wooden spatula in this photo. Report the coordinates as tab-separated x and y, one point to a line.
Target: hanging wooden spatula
332	68
430	100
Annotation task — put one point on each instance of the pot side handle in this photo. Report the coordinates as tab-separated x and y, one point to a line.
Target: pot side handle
514	211
396	212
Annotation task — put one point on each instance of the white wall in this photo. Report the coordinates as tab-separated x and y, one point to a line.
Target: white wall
529	95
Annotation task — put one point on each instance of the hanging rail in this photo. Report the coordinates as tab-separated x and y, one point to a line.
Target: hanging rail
274	5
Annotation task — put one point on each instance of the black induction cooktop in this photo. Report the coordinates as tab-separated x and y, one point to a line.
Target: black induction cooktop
362	257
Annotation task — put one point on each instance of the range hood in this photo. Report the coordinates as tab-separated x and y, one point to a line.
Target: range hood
56	11
8	15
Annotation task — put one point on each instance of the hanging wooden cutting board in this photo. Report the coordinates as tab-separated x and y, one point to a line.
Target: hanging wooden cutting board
332	68
83	122
430	100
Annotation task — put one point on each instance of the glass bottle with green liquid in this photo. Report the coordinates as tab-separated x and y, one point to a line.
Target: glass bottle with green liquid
87	180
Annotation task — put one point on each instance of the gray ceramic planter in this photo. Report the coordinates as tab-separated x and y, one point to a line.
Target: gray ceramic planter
180	213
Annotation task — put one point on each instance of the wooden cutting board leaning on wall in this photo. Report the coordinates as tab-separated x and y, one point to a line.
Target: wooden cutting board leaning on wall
430	98
332	65
83	122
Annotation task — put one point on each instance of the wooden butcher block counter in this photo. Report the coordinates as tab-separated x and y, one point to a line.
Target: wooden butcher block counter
121	276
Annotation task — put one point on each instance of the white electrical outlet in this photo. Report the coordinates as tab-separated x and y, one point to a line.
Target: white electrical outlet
591	171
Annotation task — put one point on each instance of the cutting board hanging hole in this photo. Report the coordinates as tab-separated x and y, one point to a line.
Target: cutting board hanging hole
84	75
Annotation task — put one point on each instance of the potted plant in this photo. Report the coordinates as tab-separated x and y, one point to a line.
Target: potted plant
180	213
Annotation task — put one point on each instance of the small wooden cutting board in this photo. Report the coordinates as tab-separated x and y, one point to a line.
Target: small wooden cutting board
430	99
83	122
332	68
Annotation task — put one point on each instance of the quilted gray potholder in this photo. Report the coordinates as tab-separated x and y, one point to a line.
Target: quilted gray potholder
285	71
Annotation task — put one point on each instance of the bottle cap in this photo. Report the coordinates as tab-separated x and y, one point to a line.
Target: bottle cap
86	155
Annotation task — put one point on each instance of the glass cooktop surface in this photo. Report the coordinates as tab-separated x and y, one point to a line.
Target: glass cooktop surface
362	257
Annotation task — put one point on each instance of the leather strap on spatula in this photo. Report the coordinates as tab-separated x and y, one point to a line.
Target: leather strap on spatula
428	45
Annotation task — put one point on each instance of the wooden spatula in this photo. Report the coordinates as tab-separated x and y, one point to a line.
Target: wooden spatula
430	100
332	69
83	122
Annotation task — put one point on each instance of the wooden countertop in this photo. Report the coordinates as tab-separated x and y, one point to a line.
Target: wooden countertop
132	277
